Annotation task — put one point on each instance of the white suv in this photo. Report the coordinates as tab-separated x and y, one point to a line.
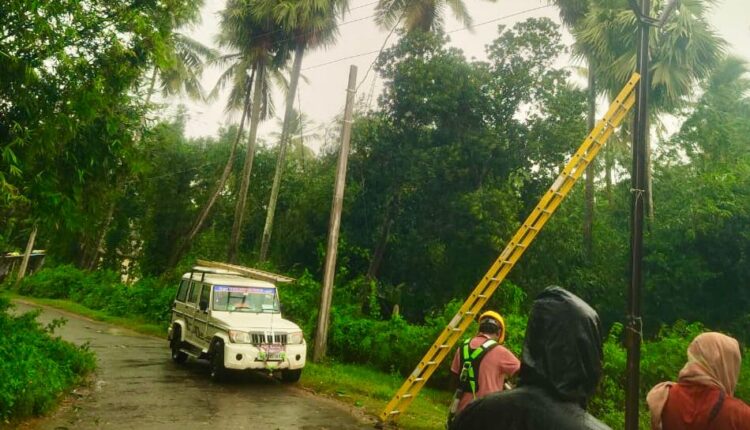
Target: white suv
233	319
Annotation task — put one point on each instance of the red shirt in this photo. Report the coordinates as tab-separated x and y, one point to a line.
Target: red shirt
497	363
689	408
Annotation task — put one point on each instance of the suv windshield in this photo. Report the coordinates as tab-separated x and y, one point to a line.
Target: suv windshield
245	299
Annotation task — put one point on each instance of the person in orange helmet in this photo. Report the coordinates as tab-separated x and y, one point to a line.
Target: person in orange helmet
481	365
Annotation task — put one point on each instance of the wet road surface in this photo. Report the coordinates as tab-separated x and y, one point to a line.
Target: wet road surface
137	386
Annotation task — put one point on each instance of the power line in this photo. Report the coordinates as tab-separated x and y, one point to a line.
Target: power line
377	51
363	5
500	18
341	59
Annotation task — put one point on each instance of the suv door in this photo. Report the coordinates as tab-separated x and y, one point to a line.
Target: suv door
178	307
191	307
203	314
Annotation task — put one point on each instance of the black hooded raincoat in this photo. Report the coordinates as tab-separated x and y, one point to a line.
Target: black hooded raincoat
561	367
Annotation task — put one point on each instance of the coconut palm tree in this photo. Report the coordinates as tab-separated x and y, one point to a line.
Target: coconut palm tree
572	13
683	52
260	42
258	49
312	24
179	70
419	15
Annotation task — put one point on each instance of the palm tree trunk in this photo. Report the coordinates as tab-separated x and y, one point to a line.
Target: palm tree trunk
239	210
649	181
268	228
203	215
99	245
588	213
151	86
608	166
385	232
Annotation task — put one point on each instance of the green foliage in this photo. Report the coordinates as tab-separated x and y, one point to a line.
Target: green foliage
148	298
35	367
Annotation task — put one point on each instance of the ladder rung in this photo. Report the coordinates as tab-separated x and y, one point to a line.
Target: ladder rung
454	328
470	313
520	245
406	396
531	227
482	296
418	379
443	346
430	363
394	412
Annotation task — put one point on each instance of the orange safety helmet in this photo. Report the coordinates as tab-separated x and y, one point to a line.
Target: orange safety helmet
497	317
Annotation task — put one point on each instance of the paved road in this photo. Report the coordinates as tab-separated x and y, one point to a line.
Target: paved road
138	387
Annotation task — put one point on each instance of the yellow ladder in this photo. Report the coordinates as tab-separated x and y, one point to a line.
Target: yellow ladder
512	252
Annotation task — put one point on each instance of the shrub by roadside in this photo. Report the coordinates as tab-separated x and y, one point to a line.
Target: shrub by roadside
147	299
389	344
35	367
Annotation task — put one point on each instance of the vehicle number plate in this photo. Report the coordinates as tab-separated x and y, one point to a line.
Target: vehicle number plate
273	352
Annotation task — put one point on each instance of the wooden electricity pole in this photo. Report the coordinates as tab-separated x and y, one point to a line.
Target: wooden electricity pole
321	335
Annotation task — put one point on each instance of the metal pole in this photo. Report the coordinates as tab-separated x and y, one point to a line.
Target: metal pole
321	335
638	184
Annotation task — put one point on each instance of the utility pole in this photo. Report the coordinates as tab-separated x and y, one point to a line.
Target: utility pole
638	184
321	335
634	323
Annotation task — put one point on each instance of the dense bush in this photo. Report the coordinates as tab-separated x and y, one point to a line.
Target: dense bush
661	360
147	299
35	367
360	333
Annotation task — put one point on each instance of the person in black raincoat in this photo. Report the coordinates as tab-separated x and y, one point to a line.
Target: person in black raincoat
560	368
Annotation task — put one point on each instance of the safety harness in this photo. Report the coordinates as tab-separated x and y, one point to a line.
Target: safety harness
470	361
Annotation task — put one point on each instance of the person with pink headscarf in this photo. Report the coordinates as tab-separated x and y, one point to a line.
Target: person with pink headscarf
703	396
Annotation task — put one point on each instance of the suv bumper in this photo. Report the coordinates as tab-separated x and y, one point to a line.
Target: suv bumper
243	356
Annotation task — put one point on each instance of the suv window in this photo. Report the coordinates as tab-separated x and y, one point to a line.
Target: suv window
194	292
245	299
205	292
183	290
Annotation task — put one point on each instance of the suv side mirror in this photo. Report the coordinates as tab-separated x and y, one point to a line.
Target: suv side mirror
203	305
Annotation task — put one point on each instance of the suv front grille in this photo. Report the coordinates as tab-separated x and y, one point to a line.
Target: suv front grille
267	338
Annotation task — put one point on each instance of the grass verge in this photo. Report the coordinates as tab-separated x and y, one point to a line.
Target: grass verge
356	385
370	390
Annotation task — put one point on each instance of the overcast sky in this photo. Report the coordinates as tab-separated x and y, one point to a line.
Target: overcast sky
322	97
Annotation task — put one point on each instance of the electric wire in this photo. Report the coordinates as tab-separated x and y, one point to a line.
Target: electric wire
500	18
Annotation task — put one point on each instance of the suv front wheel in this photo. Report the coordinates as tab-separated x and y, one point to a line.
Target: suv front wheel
291	375
218	371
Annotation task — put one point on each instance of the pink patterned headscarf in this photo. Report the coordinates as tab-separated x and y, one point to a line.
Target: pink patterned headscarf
713	359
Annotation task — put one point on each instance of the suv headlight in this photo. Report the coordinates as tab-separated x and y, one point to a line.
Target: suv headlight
237	336
294	338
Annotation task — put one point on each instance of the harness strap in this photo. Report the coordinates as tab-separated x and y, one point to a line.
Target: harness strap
469	357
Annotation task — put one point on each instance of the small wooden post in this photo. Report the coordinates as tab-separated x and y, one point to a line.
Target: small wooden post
26	256
321	335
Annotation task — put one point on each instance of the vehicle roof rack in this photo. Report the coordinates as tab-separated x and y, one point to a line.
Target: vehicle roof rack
205	266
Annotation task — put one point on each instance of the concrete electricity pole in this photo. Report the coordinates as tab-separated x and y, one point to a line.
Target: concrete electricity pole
634	323
321	335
